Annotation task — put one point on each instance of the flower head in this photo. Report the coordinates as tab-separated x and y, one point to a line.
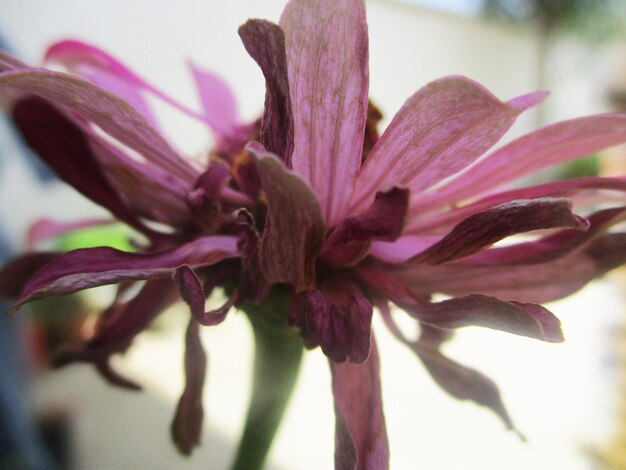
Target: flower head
321	210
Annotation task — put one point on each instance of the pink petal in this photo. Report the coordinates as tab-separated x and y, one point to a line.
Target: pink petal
550	145
360	433
265	42
44	229
111	113
327	58
440	130
294	232
403	249
92	267
187	424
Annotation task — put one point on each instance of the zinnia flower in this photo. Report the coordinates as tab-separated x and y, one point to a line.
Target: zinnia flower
321	220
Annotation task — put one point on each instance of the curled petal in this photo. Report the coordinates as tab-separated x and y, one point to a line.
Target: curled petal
187	424
360	433
15	274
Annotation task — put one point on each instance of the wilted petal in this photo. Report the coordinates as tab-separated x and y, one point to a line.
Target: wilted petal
529	320
187	425
65	148
360	433
193	294
337	318
485	228
294	232
571	187
108	111
265	42
327	58
92	267
440	130
351	239
550	145
15	274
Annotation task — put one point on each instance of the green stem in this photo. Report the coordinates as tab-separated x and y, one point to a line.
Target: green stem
277	359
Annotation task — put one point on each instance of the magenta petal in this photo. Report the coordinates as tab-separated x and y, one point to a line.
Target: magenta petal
187	424
294	231
45	228
15	274
529	320
339	320
550	145
92	267
108	111
349	243
265	42
193	294
327	58
440	130
485	228
360	433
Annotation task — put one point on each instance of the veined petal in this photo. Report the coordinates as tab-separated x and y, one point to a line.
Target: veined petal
105	70
92	267
360	433
351	239
338	318
549	145
65	148
111	113
327	58
294	232
485	228
440	130
265	42
187	424
518	318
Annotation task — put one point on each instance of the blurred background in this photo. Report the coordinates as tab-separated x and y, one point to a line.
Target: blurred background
565	398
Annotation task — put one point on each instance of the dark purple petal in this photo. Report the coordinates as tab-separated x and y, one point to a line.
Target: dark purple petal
111	113
529	320
265	42
440	130
15	274
550	145
349	243
338	319
65	148
92	267
360	433
327	58
187	424
564	188
294	232
485	228
193	294
533	283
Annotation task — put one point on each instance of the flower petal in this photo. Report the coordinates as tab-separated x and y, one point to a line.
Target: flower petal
350	241
522	319
45	228
294	232
91	267
440	130
15	274
338	319
550	145
360	433
485	228
65	148
108	111
265	42
187	424
193	294
327	58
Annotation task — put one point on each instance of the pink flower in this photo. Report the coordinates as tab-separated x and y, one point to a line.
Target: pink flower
345	219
